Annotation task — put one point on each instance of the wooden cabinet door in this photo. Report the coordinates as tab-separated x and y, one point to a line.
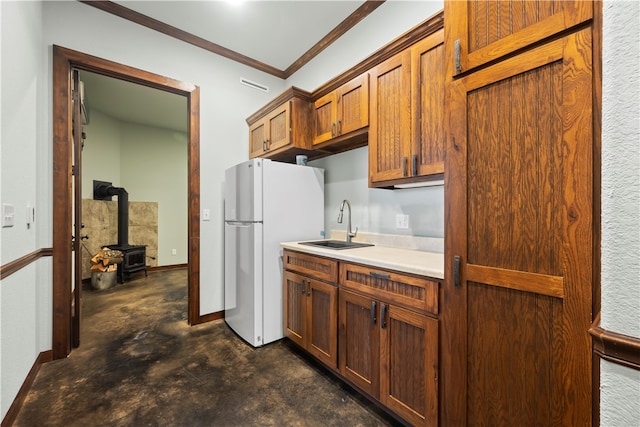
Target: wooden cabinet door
322	322
257	139
278	124
427	105
409	364
359	341
324	111
518	222
488	30
295	304
352	104
390	120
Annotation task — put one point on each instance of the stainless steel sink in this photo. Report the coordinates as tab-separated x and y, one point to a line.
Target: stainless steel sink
336	244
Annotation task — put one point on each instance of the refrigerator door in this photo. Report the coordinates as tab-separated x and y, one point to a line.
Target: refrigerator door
243	280
243	192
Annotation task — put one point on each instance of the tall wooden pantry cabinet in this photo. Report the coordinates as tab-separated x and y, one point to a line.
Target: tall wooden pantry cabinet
519	214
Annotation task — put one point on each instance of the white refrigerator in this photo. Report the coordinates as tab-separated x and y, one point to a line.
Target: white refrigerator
266	202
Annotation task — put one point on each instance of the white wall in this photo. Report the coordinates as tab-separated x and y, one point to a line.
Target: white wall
374	210
620	386
25	168
101	152
224	105
154	169
151	164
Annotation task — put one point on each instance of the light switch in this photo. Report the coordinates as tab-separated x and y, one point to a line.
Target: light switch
8	215
206	214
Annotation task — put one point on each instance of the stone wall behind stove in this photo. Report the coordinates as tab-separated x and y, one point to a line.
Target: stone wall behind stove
100	219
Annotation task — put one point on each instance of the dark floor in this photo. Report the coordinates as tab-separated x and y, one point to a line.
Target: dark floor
140	364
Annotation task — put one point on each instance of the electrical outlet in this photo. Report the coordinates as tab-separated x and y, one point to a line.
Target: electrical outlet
402	221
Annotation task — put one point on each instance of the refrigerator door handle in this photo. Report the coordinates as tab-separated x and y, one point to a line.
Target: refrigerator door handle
240	223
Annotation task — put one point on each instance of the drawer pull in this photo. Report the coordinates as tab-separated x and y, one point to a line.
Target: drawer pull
379	275
373	312
383	316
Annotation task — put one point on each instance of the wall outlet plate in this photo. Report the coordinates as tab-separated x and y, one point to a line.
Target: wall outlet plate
402	221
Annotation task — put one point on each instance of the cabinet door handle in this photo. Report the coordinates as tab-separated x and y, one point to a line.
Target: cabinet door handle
333	129
267	143
414	165
303	290
339	130
404	166
373	312
383	316
457	48
379	275
308	287
264	145
456	271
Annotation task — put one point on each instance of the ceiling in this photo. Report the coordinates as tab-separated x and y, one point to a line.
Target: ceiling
277	37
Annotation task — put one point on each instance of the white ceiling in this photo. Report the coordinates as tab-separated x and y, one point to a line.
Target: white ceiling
134	103
273	32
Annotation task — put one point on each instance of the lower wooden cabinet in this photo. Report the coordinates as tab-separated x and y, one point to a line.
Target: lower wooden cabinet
359	341
311	316
391	353
377	328
409	364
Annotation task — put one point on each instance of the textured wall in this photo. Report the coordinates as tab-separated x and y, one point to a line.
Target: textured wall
620	386
100	218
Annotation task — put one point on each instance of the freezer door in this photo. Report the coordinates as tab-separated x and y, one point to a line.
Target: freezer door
243	191
243	298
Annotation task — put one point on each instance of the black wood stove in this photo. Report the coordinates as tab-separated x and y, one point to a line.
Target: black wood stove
134	257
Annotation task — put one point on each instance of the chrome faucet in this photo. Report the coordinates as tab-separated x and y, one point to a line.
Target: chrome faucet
350	234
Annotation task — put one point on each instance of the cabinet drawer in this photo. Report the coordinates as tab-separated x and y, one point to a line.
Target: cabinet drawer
311	265
399	288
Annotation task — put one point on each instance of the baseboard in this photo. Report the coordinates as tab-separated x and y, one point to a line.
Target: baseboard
167	267
14	409
210	317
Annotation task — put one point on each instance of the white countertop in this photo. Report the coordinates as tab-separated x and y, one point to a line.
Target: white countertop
423	263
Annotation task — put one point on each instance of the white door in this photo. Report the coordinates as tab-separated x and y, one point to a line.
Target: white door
243	192
243	309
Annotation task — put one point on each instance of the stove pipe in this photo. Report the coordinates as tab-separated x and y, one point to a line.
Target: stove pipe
104	191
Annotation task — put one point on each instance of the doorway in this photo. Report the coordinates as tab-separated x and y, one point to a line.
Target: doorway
64	61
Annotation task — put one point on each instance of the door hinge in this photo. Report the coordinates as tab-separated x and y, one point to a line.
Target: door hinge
74	170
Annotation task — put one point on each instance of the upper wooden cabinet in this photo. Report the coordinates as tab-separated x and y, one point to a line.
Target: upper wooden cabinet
281	129
427	105
406	134
342	111
483	31
390	128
